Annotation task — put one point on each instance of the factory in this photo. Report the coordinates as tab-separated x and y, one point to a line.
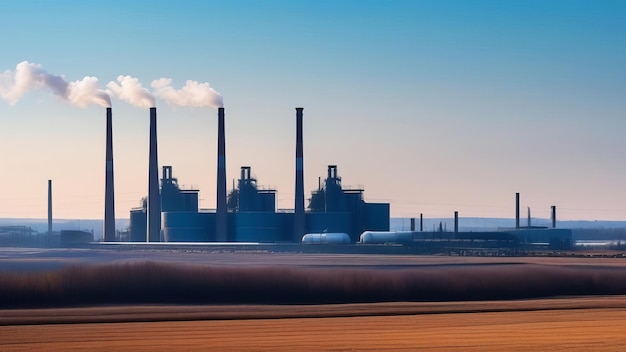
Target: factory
248	213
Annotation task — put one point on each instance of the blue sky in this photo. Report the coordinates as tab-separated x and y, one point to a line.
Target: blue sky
433	106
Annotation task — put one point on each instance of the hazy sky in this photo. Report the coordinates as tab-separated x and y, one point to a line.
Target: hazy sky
433	106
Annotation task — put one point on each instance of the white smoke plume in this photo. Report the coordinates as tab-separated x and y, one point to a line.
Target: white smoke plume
130	90
193	94
29	76
86	91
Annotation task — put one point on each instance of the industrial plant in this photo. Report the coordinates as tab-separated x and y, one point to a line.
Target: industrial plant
248	213
334	215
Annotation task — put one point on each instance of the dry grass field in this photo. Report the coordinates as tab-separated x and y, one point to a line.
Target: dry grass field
580	324
140	300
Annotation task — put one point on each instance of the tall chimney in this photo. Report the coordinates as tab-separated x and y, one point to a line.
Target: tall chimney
109	194
299	226
221	221
154	194
456	221
412	224
49	207
554	216
517	210
528	216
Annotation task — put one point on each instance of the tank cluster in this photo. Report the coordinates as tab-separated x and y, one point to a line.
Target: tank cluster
248	212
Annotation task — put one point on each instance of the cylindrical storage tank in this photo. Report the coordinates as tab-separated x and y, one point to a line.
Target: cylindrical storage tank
381	237
183	226
257	227
326	238
138	225
75	238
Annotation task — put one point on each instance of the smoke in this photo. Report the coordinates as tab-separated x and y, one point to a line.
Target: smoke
29	76
86	91
150	282
193	94
130	90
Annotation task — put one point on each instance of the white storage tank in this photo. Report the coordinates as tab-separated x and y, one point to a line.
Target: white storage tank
381	237
326	238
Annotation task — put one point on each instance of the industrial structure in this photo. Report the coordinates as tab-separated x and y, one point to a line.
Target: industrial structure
221	220
49	207
109	190
335	215
247	213
510	239
154	196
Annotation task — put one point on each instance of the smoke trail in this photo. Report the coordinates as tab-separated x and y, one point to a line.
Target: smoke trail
193	94
131	91
86	91
29	76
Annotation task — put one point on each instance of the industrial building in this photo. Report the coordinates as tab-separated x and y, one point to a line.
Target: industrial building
335	214
248	213
252	213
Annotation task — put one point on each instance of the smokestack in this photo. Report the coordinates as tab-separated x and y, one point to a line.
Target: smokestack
154	196
412	224
517	210
456	221
528	216
109	193
554	216
49	207
221	221
299	227
421	222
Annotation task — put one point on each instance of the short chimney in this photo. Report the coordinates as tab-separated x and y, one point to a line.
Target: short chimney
49	207
517	210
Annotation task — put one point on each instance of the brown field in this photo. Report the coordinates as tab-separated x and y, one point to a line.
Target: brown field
563	324
549	322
